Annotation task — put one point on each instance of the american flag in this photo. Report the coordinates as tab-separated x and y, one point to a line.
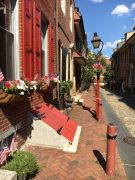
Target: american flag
2	157
13	146
6	151
1	76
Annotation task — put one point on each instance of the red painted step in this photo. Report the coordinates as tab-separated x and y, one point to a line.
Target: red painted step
54	124
69	130
44	107
56	119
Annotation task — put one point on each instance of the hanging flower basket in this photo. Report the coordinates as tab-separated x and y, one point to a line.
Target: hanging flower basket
6	98
97	67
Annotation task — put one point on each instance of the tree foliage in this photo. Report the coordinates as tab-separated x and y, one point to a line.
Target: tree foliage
89	71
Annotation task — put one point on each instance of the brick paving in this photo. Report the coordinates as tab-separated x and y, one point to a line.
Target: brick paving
89	161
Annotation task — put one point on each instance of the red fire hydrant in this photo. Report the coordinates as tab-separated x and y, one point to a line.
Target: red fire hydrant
111	145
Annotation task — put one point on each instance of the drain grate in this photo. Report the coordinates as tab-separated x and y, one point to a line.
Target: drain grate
129	140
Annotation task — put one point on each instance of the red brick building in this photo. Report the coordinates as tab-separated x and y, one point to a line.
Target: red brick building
36	37
123	61
27	31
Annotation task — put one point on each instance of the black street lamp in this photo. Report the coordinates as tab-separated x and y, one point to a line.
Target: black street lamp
96	41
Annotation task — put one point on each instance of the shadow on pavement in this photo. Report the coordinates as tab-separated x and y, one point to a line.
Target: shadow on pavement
92	112
100	159
127	99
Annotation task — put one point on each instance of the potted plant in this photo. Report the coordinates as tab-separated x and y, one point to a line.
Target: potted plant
65	87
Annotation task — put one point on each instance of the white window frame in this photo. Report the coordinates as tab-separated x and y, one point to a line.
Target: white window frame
12	58
15	31
63	6
45	48
71	17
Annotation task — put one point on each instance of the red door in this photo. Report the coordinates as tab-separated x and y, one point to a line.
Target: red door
37	38
27	39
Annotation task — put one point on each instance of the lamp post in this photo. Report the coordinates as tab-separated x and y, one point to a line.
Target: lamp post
96	41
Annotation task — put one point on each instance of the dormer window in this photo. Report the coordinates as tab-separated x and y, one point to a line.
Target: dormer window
63	6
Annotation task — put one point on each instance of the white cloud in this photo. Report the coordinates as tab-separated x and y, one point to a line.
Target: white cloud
97	1
120	10
111	45
134	18
133	6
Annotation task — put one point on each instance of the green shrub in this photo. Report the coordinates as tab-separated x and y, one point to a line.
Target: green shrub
86	79
66	86
24	163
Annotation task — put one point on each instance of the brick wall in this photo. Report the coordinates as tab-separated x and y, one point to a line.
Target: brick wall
124	64
48	9
65	35
16	112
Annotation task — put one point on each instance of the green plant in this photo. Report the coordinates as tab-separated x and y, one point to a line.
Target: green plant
24	163
66	86
89	71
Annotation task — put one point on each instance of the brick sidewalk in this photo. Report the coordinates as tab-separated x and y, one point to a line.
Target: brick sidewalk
84	164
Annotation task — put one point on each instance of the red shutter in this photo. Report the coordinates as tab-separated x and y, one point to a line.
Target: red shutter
27	39
37	38
51	48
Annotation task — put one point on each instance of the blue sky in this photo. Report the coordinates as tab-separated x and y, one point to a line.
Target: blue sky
111	19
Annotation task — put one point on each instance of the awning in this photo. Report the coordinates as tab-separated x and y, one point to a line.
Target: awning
79	58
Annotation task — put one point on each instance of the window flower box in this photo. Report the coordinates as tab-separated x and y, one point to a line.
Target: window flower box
6	98
14	91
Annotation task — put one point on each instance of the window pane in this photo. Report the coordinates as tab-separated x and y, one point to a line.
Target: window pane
6	39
